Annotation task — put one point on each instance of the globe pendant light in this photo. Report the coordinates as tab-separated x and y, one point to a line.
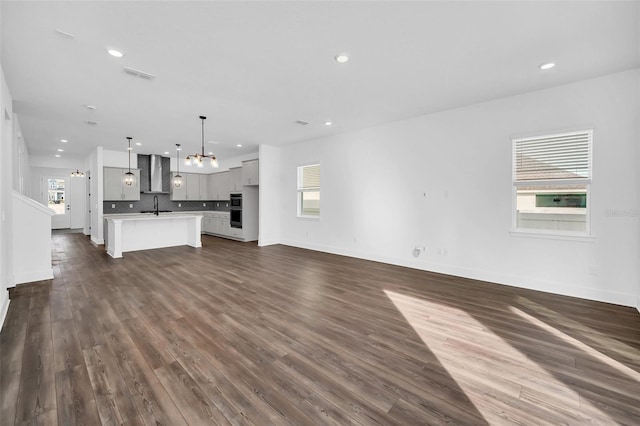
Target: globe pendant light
129	178
198	158
177	179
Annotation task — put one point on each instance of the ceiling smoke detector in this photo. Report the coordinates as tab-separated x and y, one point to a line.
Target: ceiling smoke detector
138	73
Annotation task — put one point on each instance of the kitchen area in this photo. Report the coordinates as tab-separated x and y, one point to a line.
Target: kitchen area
156	211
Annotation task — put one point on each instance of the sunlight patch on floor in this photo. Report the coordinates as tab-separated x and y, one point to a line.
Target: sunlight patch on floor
485	367
588	350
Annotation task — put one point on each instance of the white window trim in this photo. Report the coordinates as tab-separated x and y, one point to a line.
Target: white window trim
550	233
299	214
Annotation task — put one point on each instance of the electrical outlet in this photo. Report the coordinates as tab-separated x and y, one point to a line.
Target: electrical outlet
130	206
113	206
217	204
179	204
204	204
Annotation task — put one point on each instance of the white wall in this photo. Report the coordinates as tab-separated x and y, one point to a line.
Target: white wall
270	189
389	188
21	174
6	191
31	247
95	164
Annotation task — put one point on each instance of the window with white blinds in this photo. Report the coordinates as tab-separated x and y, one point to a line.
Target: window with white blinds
551	181
309	191
552	158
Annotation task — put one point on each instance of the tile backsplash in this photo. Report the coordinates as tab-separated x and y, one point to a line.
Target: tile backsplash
146	203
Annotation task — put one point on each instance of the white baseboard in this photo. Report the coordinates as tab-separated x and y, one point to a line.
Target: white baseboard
31	276
263	243
564	289
97	241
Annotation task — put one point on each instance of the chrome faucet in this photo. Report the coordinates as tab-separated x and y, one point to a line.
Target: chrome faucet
155	205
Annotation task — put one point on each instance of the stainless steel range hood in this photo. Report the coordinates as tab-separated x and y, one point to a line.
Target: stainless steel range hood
154	174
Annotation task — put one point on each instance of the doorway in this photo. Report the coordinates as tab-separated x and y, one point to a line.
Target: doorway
57	193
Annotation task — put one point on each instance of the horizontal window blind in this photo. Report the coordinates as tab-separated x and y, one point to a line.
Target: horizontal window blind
310	178
559	157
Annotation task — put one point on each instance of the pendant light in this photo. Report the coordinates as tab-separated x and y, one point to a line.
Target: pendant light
177	179
129	178
198	158
77	173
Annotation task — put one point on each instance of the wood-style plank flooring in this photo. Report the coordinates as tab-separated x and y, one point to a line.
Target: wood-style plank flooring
236	334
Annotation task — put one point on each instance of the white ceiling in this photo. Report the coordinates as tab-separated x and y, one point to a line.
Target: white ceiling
254	68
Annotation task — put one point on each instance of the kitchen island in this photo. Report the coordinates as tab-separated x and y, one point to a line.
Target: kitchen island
137	231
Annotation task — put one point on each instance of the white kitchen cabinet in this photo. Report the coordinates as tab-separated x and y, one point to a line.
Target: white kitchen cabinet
235	179
193	186
114	187
219	186
222	185
204	187
217	223
250	172
179	194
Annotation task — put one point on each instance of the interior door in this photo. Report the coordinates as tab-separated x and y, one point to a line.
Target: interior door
58	199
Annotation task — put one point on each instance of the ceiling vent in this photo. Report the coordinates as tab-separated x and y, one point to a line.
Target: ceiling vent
302	122
138	73
91	122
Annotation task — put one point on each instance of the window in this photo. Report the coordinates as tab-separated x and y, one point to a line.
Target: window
309	191
551	178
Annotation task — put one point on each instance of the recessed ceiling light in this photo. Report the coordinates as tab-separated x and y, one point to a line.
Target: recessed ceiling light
239	145
60	150
64	140
139	143
214	142
328	123
91	107
210	153
115	52
57	156
166	153
547	66
91	122
342	58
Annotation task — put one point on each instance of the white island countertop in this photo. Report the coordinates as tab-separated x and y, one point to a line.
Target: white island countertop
143	231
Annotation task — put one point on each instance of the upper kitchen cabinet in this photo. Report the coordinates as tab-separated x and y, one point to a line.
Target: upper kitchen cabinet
178	193
115	188
219	186
204	187
250	170
235	179
194	188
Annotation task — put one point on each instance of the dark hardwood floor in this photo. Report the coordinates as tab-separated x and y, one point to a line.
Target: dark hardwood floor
236	334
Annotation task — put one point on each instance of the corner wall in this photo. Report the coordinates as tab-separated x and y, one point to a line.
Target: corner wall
6	194
443	181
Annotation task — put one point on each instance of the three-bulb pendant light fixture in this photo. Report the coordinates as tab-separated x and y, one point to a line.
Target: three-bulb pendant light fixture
198	158
177	179
77	173
129	177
